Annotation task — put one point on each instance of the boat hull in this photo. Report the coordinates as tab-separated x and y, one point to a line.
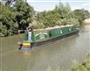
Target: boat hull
54	38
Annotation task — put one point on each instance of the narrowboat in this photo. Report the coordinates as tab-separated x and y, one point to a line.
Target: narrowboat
41	35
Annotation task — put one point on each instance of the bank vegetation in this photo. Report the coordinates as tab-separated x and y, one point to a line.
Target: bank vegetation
18	14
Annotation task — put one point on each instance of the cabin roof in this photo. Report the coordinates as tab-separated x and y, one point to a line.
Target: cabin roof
49	28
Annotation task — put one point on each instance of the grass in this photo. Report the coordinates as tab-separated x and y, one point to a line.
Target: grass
85	66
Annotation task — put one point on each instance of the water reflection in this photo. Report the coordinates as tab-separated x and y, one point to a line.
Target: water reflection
25	53
53	68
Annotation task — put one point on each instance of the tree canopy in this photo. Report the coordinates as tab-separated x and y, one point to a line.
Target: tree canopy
60	15
18	14
16	17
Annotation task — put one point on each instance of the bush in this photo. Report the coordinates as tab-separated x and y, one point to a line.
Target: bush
85	66
4	31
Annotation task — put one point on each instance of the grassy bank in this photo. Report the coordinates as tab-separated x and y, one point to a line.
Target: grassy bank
85	66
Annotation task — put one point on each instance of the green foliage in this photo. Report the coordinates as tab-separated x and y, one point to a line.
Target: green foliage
61	15
3	30
19	15
24	13
15	17
81	14
8	2
7	19
85	66
63	10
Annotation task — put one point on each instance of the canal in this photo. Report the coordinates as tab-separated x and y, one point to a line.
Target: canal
58	55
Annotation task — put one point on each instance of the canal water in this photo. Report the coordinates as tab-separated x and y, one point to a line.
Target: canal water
58	55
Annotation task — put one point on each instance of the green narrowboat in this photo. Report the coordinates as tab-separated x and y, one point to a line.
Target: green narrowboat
41	35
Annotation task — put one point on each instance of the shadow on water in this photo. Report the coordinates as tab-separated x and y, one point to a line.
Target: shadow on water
56	55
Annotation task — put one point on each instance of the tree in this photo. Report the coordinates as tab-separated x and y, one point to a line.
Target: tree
7	18
14	16
81	14
8	2
61	15
24	13
63	10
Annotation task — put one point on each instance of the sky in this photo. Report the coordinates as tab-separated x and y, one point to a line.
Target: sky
41	5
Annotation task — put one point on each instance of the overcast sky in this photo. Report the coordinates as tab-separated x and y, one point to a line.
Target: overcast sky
41	5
